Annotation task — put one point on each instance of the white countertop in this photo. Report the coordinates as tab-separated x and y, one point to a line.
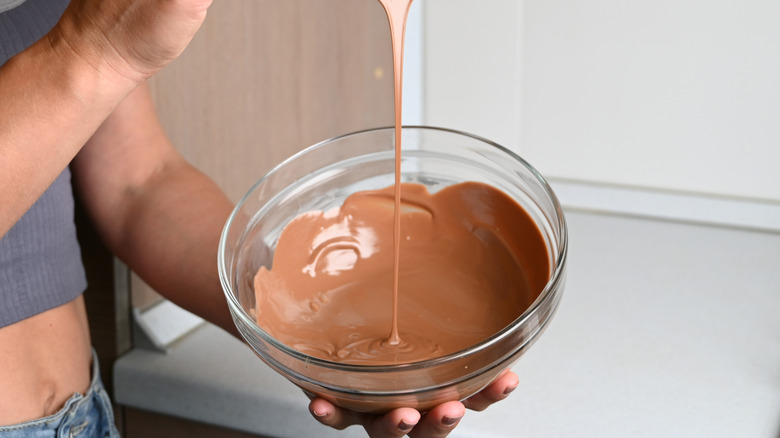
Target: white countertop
665	329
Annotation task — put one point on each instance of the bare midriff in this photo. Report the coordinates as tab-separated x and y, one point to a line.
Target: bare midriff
44	360
401	275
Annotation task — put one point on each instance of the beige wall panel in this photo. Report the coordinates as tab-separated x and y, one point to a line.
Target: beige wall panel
266	78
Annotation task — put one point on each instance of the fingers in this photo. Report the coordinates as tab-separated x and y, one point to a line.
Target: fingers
329	415
135	39
496	391
395	424
439	421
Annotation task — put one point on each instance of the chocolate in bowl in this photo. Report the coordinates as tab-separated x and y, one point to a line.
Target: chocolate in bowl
323	176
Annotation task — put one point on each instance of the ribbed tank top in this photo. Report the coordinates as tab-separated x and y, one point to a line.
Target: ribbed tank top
40	259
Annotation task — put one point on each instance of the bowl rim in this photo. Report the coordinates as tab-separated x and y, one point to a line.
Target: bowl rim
553	283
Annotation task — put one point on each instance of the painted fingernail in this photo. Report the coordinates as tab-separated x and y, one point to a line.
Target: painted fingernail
449	421
509	390
404	426
318	414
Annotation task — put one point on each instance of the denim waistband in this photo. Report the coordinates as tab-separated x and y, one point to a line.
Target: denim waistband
84	415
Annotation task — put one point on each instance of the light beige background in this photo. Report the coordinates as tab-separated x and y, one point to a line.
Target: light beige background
266	78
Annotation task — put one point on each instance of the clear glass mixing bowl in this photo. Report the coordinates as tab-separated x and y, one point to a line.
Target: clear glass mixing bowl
321	177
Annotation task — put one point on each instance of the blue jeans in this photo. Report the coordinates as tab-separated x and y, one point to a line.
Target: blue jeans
83	416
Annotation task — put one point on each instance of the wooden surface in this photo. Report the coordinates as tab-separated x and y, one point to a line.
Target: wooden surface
263	79
143	424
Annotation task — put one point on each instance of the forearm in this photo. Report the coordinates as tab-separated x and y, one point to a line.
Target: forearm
154	210
171	240
55	94
52	101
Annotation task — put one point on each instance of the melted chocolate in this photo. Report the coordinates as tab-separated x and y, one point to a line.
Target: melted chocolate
472	261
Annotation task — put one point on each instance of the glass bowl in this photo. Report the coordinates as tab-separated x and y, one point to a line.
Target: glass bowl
321	177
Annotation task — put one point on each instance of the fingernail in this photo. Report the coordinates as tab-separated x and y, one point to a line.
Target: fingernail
404	426
449	421
318	414
509	390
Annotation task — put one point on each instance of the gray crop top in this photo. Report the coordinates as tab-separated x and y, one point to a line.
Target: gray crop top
40	259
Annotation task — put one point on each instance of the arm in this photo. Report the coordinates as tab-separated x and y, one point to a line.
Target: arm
56	93
155	211
51	103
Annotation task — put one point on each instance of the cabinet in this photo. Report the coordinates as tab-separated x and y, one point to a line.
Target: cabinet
670	96
260	81
265	79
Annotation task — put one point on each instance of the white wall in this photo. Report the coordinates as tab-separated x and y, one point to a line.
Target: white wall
413	67
472	66
680	95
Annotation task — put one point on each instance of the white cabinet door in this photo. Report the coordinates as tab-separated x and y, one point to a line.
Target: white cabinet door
670	95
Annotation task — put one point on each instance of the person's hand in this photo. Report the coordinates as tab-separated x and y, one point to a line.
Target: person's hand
131	38
436	423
